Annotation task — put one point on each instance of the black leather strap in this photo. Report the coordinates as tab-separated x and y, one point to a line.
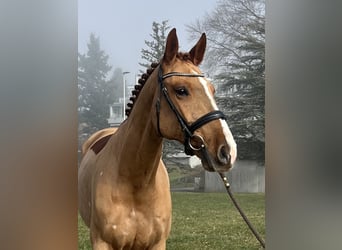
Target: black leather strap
214	115
180	118
181	74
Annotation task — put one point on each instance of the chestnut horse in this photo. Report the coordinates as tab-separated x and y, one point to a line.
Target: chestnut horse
124	191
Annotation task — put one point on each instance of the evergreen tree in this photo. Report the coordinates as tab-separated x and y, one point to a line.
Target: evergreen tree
155	47
236	60
95	92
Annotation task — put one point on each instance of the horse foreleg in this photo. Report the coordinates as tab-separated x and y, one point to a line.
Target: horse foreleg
101	245
161	245
97	242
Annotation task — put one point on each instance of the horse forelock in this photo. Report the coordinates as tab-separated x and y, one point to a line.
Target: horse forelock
184	56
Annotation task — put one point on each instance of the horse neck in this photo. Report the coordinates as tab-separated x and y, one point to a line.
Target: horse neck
140	146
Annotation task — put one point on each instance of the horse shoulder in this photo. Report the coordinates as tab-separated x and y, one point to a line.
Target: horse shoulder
85	173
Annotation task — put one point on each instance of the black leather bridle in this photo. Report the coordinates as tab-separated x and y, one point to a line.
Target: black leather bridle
189	137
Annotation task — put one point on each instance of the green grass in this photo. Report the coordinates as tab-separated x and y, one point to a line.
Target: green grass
208	221
183	178
83	235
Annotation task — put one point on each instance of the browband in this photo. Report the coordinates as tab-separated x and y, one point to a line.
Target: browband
181	74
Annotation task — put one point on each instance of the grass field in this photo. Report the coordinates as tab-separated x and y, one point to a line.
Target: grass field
208	221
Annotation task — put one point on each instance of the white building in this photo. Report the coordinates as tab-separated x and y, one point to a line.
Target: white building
117	110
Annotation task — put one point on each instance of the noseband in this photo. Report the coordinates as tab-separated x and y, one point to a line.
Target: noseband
191	142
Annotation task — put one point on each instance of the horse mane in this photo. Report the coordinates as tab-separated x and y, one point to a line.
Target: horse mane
143	78
138	87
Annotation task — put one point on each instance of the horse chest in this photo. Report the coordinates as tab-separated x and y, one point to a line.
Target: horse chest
130	219
135	230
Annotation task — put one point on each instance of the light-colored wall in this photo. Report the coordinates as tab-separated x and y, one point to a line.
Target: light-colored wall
246	176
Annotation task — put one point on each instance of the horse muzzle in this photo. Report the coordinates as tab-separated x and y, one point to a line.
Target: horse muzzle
221	161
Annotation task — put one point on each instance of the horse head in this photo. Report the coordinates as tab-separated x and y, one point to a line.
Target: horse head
186	109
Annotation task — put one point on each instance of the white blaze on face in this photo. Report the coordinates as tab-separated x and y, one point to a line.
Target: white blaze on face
226	131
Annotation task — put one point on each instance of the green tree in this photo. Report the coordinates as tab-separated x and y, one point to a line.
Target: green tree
235	59
156	46
95	92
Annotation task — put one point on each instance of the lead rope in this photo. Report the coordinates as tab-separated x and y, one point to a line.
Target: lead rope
227	186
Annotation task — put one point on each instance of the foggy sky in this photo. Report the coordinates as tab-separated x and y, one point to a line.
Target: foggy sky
124	25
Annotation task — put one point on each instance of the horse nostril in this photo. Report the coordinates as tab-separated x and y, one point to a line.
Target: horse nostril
223	155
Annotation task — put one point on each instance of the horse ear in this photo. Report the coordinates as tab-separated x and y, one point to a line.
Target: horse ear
197	52
171	47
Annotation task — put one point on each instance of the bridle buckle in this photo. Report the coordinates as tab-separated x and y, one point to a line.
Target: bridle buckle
196	142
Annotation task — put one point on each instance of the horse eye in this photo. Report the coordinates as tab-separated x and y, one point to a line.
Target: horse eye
182	91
